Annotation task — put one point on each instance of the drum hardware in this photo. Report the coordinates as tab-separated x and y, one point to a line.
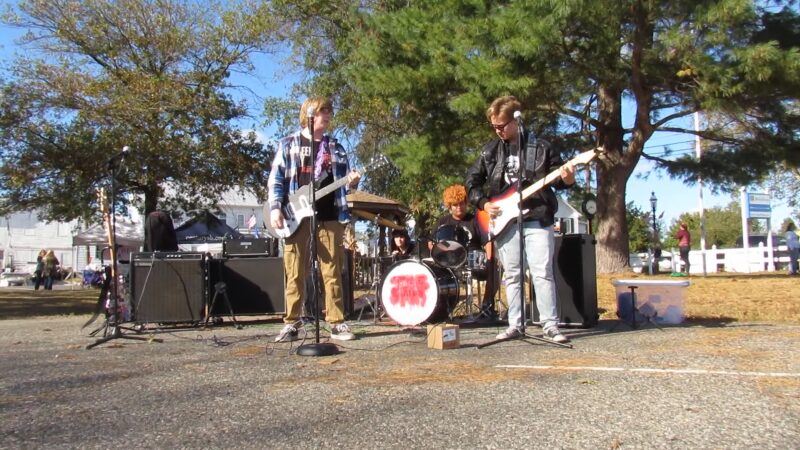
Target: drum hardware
372	302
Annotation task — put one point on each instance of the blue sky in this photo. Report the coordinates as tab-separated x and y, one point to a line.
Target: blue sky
674	197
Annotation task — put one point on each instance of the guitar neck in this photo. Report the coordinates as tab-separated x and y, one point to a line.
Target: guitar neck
582	158
539	185
331	187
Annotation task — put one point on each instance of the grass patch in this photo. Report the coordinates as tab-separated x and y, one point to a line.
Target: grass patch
758	297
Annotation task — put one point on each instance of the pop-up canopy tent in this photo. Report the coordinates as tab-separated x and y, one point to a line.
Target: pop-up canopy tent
205	227
128	234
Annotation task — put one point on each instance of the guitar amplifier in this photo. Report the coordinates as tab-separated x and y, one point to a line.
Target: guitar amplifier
167	287
248	247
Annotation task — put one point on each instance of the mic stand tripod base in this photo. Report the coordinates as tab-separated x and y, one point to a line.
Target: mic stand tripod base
522	336
318	349
117	333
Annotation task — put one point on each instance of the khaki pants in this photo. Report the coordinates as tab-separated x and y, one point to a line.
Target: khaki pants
296	255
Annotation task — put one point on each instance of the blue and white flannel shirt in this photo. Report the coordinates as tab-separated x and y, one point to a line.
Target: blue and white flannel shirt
285	169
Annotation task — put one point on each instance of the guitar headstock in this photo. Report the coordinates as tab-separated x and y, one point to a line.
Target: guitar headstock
376	162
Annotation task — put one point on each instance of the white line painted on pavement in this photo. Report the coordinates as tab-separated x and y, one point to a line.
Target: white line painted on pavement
648	370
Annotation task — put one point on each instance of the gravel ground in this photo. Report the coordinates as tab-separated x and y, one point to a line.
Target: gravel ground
706	385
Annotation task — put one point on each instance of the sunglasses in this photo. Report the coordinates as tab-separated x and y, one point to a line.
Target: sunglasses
502	126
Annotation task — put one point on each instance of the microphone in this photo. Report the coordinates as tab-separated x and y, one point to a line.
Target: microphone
119	156
310	111
518	118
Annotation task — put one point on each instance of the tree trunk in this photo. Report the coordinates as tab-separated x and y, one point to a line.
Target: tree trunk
614	167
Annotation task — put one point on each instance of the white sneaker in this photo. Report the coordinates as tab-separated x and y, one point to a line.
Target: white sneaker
510	333
555	335
341	332
287	334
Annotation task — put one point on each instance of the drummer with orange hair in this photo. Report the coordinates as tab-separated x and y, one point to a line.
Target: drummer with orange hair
455	200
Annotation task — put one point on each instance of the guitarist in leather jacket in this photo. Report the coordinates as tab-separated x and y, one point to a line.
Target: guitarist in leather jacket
302	158
495	173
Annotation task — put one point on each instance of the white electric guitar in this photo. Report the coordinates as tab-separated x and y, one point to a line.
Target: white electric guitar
298	205
509	201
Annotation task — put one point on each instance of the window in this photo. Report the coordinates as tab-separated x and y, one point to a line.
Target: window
240	221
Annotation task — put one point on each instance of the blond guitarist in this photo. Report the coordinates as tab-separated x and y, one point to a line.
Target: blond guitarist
490	180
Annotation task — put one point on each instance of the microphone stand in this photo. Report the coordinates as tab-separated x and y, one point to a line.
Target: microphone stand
114	170
316	348
521	236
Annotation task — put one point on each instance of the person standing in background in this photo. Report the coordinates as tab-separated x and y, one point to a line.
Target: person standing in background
794	248
50	269
38	276
684	245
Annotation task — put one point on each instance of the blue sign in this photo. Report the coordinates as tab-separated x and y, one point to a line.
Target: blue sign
758	206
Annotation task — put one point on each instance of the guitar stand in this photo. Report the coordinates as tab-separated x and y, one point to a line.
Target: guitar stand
634	311
222	288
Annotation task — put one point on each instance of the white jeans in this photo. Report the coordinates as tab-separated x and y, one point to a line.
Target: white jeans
539	249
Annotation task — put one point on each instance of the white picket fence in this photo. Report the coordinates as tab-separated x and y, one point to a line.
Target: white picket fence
753	259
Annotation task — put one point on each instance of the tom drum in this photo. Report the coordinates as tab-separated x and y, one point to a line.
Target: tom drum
450	249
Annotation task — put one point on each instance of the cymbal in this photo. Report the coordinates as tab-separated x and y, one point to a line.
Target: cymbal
377	218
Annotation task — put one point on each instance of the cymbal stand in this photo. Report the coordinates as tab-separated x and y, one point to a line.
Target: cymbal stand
468	299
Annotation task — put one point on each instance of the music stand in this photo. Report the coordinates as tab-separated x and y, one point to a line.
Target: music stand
115	164
521	236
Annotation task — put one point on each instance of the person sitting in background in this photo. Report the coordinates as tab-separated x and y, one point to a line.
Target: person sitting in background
794	248
401	245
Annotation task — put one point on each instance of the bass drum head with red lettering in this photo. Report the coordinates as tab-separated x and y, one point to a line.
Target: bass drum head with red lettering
410	291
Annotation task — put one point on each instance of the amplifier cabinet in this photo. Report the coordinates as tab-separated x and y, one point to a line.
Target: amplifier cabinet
255	286
167	287
249	247
575	271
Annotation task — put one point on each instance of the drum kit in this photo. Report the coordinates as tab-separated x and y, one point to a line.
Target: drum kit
413	291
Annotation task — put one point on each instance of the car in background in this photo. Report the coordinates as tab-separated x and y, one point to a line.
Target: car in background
664	262
761	239
636	263
14	279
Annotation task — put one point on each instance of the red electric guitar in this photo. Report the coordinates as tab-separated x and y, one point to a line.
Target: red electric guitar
510	200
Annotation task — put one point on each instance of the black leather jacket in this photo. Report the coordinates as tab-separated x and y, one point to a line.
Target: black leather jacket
487	171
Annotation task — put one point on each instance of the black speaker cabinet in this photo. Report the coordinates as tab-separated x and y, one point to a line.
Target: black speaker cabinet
575	272
167	287
255	286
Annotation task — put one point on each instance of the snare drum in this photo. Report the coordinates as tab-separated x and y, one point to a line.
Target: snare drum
413	292
450	247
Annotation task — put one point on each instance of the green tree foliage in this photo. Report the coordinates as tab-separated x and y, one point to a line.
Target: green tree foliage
723	227
152	75
416	78
640	229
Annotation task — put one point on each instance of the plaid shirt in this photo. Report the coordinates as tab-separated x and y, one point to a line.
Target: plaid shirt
283	178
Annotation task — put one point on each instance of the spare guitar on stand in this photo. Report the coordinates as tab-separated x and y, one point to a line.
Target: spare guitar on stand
114	319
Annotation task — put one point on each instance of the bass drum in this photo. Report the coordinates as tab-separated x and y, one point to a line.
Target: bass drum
413	292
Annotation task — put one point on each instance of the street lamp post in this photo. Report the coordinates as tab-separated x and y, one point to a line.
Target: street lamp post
656	255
